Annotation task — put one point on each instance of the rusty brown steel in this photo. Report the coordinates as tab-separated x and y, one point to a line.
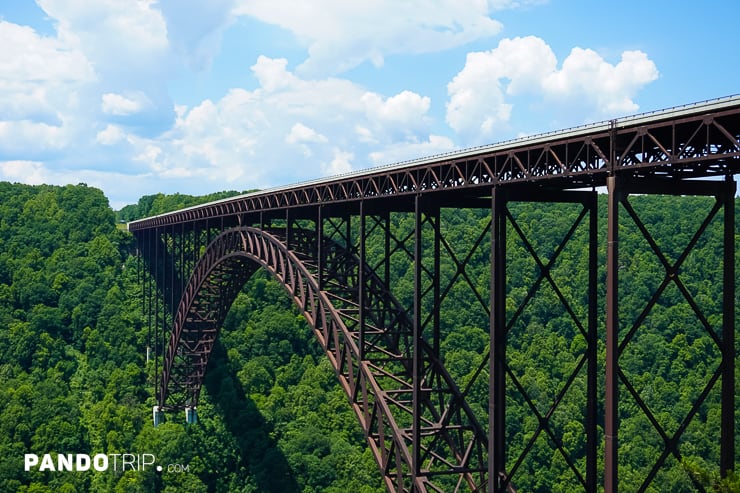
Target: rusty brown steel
619	192
702	140
380	353
230	260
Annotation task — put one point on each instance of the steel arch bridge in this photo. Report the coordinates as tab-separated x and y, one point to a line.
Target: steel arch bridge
333	245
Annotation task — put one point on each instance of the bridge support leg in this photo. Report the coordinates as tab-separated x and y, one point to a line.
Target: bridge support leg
669	435
157	416
497	369
418	364
507	329
727	448
612	340
191	415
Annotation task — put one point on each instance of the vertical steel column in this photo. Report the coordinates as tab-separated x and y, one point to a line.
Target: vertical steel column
612	319
727	447
207	230
418	369
320	246
497	338
155	263
436	282
148	288
288	229
592	348
612	336
172	271
361	281
348	237
184	274
163	328
387	250
151	246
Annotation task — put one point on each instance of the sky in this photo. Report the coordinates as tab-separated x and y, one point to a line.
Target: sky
137	97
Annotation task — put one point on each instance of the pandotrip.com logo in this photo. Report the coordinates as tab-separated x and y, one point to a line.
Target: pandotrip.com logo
97	462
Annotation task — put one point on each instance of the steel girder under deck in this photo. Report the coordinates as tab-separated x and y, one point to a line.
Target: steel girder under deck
632	155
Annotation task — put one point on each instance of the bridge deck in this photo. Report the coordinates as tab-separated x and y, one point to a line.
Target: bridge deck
696	140
420	426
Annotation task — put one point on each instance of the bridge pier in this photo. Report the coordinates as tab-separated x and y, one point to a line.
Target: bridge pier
620	332
157	416
502	476
387	349
191	415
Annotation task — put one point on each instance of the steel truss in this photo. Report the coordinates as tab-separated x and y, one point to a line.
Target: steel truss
382	327
441	435
505	380
619	333
703	140
417	421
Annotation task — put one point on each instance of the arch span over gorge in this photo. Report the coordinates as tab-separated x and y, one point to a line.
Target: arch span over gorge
374	366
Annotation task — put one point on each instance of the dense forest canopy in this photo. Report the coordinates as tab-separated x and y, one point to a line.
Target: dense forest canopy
272	417
153	205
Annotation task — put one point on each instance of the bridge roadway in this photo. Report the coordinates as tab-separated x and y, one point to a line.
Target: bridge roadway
696	140
419	422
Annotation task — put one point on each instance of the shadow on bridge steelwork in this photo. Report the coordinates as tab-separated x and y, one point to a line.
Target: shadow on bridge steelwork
336	245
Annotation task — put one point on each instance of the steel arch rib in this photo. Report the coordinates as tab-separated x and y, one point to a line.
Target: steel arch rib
227	263
213	286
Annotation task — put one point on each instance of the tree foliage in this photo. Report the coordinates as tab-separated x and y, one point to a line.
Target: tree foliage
272	417
153	205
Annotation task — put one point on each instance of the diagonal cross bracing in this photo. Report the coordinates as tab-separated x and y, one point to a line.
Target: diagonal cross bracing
692	141
387	354
380	386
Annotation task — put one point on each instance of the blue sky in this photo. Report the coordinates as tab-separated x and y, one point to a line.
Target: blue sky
140	96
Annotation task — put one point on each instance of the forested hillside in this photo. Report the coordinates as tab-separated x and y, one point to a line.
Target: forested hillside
74	377
153	205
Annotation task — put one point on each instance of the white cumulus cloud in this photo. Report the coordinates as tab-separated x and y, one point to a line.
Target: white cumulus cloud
585	74
301	133
287	129
120	105
126	43
406	109
124	38
481	94
405	151
110	135
341	162
342	35
36	68
41	79
301	136
28	172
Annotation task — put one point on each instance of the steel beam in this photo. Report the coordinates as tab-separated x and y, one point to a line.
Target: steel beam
418	363
497	359
727	447
611	397
619	190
